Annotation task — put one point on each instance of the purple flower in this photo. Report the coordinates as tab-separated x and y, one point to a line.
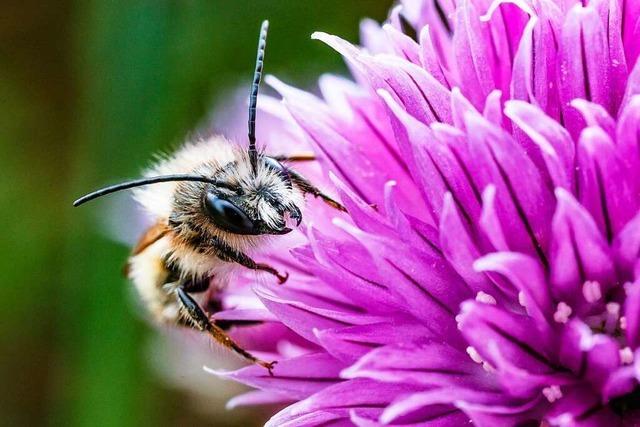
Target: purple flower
488	271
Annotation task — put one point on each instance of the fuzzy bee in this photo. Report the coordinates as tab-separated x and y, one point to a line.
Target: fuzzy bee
216	202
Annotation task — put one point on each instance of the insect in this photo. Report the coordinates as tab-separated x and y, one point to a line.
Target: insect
213	201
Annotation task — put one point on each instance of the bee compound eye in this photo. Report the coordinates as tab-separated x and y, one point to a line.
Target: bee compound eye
227	216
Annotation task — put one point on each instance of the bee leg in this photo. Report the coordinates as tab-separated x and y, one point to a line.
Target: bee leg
266	267
307	187
297	157
230	255
200	321
196	286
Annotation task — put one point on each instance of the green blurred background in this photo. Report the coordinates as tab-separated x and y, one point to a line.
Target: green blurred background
88	91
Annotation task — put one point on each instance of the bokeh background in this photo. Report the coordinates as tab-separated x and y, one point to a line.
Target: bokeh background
88	91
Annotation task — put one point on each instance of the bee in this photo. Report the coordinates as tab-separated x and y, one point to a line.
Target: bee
216	202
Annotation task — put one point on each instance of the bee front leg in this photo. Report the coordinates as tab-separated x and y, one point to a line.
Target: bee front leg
200	321
304	184
228	254
308	188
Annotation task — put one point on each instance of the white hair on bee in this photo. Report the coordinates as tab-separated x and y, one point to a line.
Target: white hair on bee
262	186
157	199
229	163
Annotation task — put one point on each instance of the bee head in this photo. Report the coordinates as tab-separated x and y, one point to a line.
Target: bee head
241	201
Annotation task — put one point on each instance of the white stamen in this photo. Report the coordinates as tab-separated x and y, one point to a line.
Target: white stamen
591	291
623	323
563	312
613	308
626	356
459	319
522	299
485	298
474	355
552	393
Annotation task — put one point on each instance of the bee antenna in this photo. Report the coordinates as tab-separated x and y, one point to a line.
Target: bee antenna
253	95
140	182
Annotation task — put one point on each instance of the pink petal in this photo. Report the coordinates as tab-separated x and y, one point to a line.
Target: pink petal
404	46
431	364
471	42
626	248
632	313
303	312
513	344
373	38
490	222
553	141
352	342
527	276
583	71
431	61
295	378
611	17
256	397
338	401
535	65
581	407
631	30
579	251
628	143
432	295
523	200
604	186
460	249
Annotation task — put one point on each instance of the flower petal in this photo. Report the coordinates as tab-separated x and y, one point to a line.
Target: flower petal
431	59
626	247
553	141
404	46
438	167
581	407
579	252
432	363
461	251
432	406
303	312
526	275
514	345
489	409
535	63
632	314
583	72
352	342
628	143
256	397
471	42
323	131
594	356
295	378
339	400
595	115
631	30
604	187
611	17
524	202
432	295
